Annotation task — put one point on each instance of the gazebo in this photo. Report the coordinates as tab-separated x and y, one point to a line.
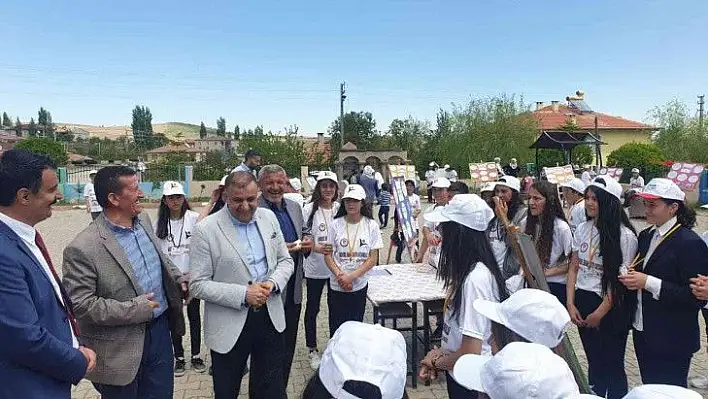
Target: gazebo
566	141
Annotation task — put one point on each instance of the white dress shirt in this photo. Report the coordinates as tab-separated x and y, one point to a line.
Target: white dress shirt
653	284
27	233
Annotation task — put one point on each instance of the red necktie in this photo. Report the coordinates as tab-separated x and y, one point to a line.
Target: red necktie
68	307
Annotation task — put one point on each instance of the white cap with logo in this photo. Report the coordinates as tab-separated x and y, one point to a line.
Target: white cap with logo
441	182
172	188
534	314
466	209
575	184
327	175
511	182
489	187
607	184
519	370
354	191
296	184
635	170
659	391
368	353
222	183
662	188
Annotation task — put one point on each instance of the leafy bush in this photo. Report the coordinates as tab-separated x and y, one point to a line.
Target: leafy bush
648	158
582	155
48	147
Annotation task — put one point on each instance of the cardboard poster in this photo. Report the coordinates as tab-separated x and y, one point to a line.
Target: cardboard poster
559	174
484	172
614	173
686	175
403	206
407	171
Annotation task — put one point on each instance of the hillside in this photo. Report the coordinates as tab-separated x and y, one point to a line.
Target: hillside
169	129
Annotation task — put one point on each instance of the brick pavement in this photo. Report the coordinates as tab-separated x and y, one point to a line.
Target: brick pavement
59	230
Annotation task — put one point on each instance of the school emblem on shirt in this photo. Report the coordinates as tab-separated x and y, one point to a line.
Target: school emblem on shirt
187	234
323	227
584	247
362	242
343	242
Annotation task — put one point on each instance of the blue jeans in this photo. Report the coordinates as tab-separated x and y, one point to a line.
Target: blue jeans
155	378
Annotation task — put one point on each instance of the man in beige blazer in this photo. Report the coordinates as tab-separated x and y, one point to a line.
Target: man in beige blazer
127	296
239	266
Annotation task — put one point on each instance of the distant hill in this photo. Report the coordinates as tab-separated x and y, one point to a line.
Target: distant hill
169	129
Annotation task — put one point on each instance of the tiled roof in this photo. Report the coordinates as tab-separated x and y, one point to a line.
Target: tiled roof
549	120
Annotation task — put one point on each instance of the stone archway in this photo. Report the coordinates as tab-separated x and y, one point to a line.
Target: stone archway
375	163
396	160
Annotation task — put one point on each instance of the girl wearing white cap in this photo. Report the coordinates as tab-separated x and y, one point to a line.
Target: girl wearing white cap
598	303
318	215
546	224
666	333
507	189
468	270
174	226
636	184
574	194
356	240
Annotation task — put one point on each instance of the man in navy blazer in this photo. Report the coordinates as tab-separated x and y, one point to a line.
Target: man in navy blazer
40	355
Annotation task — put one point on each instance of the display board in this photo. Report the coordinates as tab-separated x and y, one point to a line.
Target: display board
407	171
686	175
559	174
614	173
403	206
483	172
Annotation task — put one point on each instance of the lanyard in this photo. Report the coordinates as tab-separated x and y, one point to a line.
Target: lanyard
324	219
637	260
172	237
351	243
593	248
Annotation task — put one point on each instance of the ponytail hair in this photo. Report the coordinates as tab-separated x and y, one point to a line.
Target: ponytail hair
684	215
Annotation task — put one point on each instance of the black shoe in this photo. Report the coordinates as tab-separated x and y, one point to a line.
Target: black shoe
211	371
179	367
198	365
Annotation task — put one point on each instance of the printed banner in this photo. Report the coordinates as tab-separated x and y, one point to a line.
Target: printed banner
403	206
484	172
614	173
559	174
407	171
685	175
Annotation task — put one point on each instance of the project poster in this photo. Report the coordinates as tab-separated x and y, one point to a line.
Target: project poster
403	206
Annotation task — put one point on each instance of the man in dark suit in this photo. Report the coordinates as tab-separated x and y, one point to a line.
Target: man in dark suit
40	355
128	295
272	181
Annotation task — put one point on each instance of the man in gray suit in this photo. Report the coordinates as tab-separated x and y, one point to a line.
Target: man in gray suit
239	266
272	181
127	296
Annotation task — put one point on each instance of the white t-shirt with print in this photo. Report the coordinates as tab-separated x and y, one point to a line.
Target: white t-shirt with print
176	244
587	240
366	237
562	245
433	251
314	265
479	284
90	194
577	215
414	200
499	247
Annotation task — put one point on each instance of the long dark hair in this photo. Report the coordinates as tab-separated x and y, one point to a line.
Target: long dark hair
609	221
317	197
315	389
551	211
365	210
684	215
163	217
513	207
462	248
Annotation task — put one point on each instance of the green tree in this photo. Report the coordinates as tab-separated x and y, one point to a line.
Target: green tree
286	150
237	132
680	136
202	131
6	120
32	128
582	155
142	126
359	129
410	135
221	127
50	148
648	158
18	124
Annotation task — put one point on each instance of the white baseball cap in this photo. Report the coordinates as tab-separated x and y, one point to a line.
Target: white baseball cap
432	163
534	314
447	166
466	209
367	353
519	370
327	175
354	191
296	184
172	188
488	187
511	182
607	184
635	170
222	183
575	184
658	391
441	182
662	188
92	172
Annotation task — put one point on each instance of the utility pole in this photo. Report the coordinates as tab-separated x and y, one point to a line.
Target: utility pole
701	102
342	97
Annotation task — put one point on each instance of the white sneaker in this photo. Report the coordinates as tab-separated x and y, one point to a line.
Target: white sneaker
699	382
315	359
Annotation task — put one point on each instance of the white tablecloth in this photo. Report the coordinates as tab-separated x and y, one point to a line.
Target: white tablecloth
407	283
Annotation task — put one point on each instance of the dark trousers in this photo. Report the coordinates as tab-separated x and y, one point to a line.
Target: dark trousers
265	345
292	322
455	390
604	347
155	378
383	215
315	286
345	306
558	290
657	367
195	330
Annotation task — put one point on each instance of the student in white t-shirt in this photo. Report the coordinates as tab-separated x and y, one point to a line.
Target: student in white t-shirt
431	236
173	228
574	195
468	270
546	223
92	205
318	216
598	303
507	190
356	240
